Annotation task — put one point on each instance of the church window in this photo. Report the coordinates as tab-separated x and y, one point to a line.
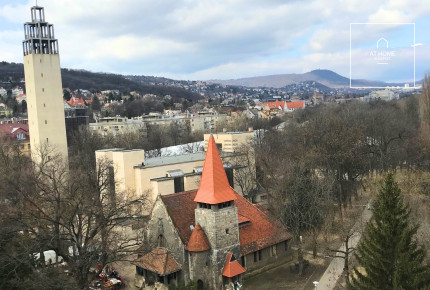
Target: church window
179	184
161	241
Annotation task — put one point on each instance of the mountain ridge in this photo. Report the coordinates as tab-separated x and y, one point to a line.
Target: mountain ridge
326	77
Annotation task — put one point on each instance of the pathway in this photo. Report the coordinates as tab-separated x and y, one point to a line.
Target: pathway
329	279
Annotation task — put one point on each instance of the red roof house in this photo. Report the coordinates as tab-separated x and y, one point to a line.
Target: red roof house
76	102
291	106
280	105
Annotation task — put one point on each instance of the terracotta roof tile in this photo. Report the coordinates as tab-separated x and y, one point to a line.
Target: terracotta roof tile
260	232
158	261
75	102
198	241
232	268
214	187
295	105
275	105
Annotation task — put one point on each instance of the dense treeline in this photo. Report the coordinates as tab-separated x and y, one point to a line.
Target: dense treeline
328	150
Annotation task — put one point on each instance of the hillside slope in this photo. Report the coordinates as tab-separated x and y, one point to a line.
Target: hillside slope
12	73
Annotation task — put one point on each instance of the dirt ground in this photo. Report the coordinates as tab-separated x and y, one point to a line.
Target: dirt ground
282	277
127	271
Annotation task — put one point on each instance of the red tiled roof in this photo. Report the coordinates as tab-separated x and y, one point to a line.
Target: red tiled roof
198	241
158	261
214	187
260	232
76	102
275	105
242	219
232	269
295	105
11	129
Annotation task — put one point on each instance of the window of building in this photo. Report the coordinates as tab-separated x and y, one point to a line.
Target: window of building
161	241
224	204
242	260
47	140
139	271
43	89
41	75
219	146
286	245
255	257
260	254
46	122
20	136
179	184
273	251
226	231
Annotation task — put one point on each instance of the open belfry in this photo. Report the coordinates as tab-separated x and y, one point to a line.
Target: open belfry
43	87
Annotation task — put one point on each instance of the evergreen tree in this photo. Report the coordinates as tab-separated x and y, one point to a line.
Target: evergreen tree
388	252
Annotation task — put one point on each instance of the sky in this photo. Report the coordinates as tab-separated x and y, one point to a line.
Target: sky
229	39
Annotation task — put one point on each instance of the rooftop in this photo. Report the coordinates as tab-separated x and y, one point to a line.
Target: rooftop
158	261
232	268
188	157
198	241
214	187
258	232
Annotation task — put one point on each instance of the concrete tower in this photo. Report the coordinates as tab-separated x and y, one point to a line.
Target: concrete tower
217	215
43	86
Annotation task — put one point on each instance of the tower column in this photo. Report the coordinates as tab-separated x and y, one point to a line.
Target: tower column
44	88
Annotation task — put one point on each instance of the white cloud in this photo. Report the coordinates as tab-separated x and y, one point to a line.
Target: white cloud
204	39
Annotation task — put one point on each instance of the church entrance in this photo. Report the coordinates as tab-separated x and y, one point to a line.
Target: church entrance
200	285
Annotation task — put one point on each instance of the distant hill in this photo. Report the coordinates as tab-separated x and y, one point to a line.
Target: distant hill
12	73
325	77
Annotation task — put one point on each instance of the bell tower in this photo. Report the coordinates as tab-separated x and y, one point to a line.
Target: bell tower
217	214
43	87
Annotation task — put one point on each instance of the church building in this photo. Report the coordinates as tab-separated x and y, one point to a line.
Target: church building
211	235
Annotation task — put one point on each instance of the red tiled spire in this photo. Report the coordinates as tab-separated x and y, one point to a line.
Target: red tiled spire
214	187
198	241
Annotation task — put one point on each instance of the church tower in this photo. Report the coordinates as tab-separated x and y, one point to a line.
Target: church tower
217	214
43	86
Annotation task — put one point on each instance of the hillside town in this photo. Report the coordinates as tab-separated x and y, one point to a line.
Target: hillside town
139	182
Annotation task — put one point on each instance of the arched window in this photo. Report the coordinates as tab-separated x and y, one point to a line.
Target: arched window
161	242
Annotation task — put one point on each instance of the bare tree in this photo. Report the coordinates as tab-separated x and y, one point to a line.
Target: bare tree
76	213
300	204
